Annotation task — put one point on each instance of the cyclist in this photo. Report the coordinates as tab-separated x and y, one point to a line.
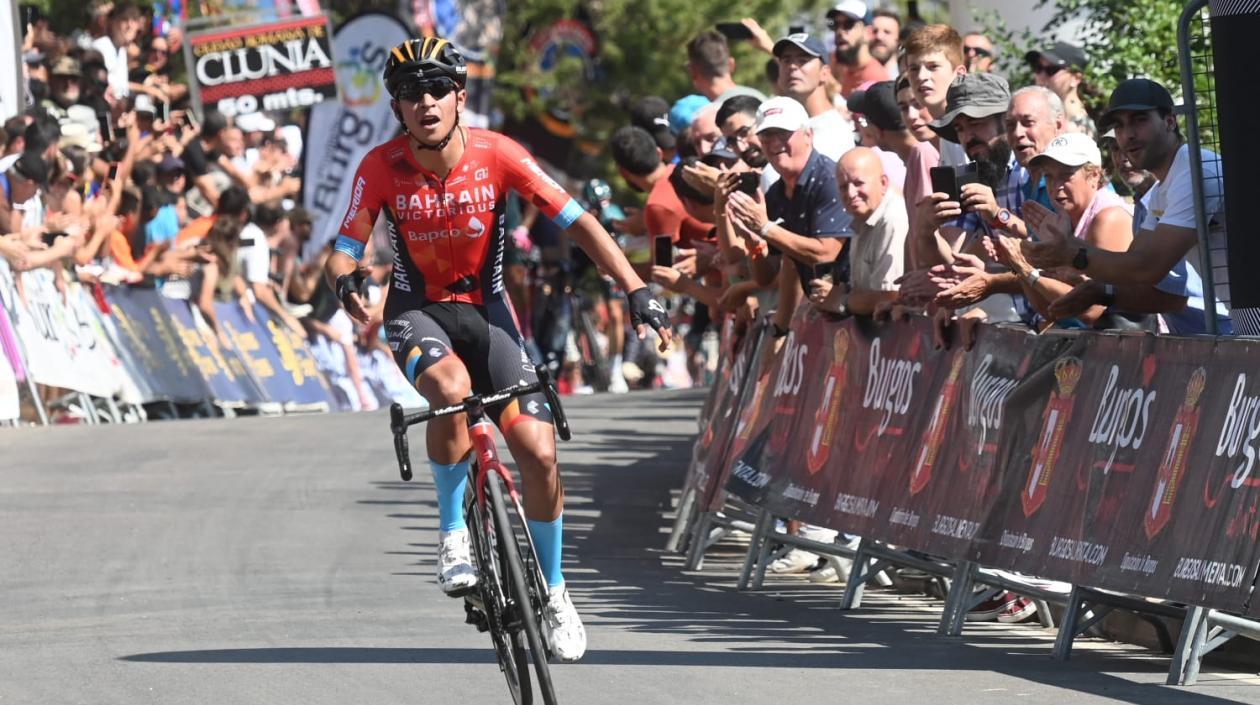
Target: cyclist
441	188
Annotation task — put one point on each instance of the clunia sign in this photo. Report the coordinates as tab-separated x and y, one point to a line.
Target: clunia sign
275	66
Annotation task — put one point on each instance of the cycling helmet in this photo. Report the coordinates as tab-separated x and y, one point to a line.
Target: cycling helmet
597	192
424	59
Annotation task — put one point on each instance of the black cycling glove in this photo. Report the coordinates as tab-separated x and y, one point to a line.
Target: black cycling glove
644	308
353	283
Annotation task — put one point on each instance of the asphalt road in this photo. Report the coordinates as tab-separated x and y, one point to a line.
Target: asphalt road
280	560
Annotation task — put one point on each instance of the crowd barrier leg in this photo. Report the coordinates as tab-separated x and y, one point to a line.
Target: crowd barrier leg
37	401
89	409
856	584
1185	645
699	541
756	549
1204	631
684	518
956	599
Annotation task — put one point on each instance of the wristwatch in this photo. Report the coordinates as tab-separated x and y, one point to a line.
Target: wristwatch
1003	218
1081	260
777	331
1033	276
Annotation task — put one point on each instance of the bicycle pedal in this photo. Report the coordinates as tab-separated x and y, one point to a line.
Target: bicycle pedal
475	617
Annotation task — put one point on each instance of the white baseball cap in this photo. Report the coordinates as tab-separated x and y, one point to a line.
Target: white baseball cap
853	8
1070	149
255	122
781	113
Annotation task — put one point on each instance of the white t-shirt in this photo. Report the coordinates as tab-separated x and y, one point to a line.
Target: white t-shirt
115	64
254	256
833	135
1171	202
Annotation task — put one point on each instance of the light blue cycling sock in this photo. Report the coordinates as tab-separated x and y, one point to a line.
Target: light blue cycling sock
548	537
450	481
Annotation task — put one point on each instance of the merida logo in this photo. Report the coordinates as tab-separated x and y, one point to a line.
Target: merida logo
355	200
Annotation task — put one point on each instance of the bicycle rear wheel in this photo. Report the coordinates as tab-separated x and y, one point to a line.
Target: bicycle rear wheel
517	582
505	629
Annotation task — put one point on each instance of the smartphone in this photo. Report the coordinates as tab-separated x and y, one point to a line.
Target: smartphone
749	182
50	238
734	30
113	172
106	125
166	113
944	180
664	251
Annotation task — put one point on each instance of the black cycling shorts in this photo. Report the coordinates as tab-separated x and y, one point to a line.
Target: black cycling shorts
484	338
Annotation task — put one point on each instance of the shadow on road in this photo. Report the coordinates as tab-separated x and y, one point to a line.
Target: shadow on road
622	580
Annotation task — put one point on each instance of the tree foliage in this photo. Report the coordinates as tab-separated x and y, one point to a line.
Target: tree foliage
1122	38
642	49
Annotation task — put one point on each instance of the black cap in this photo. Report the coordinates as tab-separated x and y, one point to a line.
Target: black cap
878	104
1061	54
976	95
652	114
1138	94
803	41
31	166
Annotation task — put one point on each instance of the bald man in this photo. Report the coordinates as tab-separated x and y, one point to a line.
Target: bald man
877	250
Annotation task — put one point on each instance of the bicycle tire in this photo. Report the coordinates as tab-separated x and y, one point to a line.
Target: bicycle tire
517	582
597	366
509	644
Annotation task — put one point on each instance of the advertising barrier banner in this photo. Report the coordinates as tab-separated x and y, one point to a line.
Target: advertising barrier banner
721	410
60	345
221	367
1123	462
145	331
276	66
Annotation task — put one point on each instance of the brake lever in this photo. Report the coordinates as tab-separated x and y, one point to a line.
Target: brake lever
553	400
398	424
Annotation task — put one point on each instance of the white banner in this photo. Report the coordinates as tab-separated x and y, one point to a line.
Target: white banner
62	345
338	135
12	88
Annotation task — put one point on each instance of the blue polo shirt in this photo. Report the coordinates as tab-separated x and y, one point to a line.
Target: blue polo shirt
813	210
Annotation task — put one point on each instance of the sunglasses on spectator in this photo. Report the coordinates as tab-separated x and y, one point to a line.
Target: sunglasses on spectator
438	88
846	24
1046	70
978	51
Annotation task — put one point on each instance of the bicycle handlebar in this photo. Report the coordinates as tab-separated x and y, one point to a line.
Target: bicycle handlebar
400	421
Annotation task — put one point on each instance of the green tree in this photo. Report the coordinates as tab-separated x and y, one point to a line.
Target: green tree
1123	39
642	49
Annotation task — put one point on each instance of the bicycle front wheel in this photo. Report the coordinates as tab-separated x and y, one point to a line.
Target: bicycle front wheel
492	586
516	583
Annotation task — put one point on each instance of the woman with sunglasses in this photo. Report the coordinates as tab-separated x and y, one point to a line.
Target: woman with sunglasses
1062	70
442	188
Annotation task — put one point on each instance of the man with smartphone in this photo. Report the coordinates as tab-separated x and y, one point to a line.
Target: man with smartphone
801	218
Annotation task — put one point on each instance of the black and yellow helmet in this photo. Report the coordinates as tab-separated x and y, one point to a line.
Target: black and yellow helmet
424	59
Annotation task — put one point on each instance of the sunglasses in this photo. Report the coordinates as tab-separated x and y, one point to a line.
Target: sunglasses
413	91
1046	70
846	24
978	51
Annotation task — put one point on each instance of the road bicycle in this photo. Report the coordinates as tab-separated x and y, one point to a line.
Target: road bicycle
510	592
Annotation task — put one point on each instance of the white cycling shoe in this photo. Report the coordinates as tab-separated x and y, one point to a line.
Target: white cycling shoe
454	566
563	627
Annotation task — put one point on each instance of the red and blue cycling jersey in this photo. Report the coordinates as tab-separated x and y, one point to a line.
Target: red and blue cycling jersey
447	233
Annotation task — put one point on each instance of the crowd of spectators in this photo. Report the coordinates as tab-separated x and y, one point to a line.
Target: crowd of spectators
879	168
108	176
887	170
